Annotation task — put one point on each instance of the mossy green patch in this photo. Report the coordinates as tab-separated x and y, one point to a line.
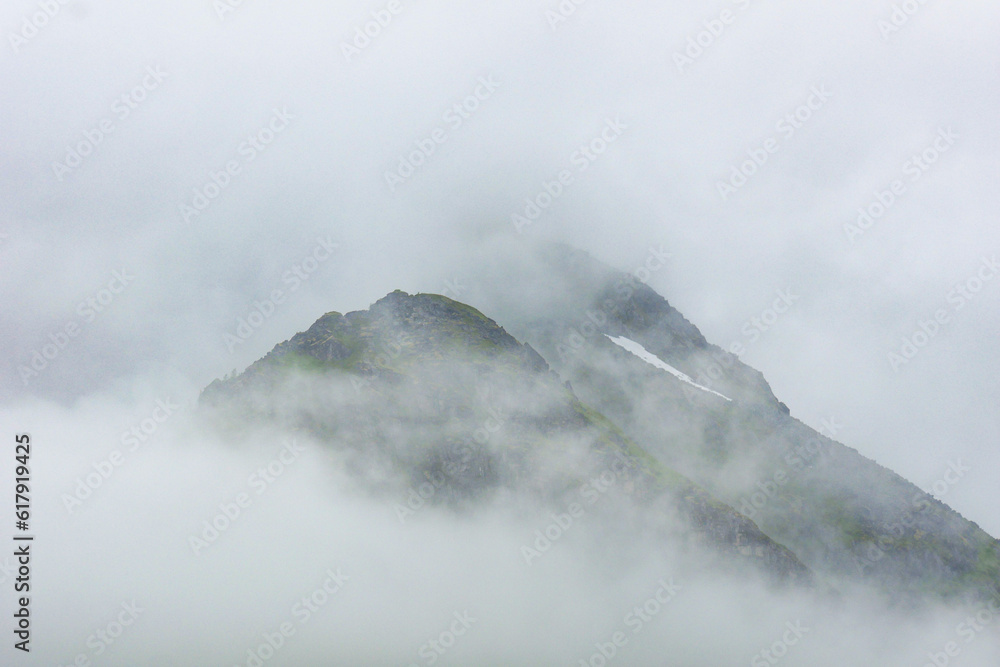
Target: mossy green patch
614	438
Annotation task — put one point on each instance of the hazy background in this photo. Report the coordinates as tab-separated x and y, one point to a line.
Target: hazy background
352	119
129	542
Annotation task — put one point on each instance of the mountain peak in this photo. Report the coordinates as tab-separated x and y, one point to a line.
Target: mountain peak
421	387
396	331
402	385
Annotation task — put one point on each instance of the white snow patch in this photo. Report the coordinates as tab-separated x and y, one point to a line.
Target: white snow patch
641	352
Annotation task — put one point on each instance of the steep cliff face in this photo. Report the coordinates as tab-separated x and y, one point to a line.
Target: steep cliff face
420	389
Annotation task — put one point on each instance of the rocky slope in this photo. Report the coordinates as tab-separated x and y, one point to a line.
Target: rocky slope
421	389
600	375
846	517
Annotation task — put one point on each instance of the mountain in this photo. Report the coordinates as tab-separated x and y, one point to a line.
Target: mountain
715	420
423	392
597	396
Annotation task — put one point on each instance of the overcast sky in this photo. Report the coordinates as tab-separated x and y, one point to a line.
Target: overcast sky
116	118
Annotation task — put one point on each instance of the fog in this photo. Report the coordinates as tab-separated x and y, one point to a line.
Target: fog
395	581
167	169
